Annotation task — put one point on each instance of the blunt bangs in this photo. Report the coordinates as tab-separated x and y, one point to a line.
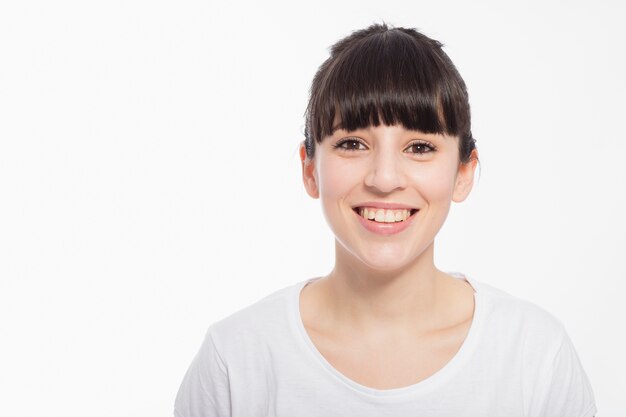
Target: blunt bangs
387	76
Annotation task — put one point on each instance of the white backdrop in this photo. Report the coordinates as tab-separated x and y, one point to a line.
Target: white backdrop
150	182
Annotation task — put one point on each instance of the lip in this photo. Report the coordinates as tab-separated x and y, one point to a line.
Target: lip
383	205
385	229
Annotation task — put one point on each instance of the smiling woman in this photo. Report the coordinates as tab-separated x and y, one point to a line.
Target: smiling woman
388	147
384	174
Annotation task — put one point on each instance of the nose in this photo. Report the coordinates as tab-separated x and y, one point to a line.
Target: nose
386	173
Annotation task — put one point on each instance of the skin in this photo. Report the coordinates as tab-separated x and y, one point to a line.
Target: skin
385	316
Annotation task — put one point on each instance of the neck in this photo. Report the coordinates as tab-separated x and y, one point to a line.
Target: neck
361	297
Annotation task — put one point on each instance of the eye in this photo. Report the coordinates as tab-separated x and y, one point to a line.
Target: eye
349	145
421	148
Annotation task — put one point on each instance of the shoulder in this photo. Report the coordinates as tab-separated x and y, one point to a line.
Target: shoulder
256	324
518	310
240	344
553	378
522	320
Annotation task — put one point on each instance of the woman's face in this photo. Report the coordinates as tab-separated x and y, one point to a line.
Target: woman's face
384	167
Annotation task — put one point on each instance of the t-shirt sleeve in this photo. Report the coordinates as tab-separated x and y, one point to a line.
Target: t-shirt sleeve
204	391
568	391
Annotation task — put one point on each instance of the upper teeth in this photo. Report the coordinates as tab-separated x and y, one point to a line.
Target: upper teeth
384	216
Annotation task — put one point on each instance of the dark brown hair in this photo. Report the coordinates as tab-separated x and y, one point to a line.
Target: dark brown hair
389	75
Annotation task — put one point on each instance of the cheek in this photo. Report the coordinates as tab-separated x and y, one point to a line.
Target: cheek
335	178
436	181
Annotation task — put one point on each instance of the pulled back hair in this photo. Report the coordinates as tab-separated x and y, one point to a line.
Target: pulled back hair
389	75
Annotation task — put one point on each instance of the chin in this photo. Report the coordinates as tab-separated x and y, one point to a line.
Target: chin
389	260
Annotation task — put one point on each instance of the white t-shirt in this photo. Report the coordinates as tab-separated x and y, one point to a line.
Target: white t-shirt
517	360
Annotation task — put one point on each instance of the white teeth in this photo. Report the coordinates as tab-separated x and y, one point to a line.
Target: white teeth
384	216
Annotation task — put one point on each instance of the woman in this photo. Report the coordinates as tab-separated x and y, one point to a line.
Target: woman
388	147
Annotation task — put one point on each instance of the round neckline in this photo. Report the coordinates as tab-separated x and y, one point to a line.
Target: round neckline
423	386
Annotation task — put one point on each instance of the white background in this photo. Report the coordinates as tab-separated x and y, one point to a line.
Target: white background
150	182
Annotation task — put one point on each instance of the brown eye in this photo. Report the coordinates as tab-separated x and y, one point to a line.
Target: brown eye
349	145
421	148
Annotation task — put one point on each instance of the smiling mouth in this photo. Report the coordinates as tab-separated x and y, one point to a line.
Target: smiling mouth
379	215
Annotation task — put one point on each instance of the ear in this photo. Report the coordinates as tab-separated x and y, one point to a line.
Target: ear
465	178
309	174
